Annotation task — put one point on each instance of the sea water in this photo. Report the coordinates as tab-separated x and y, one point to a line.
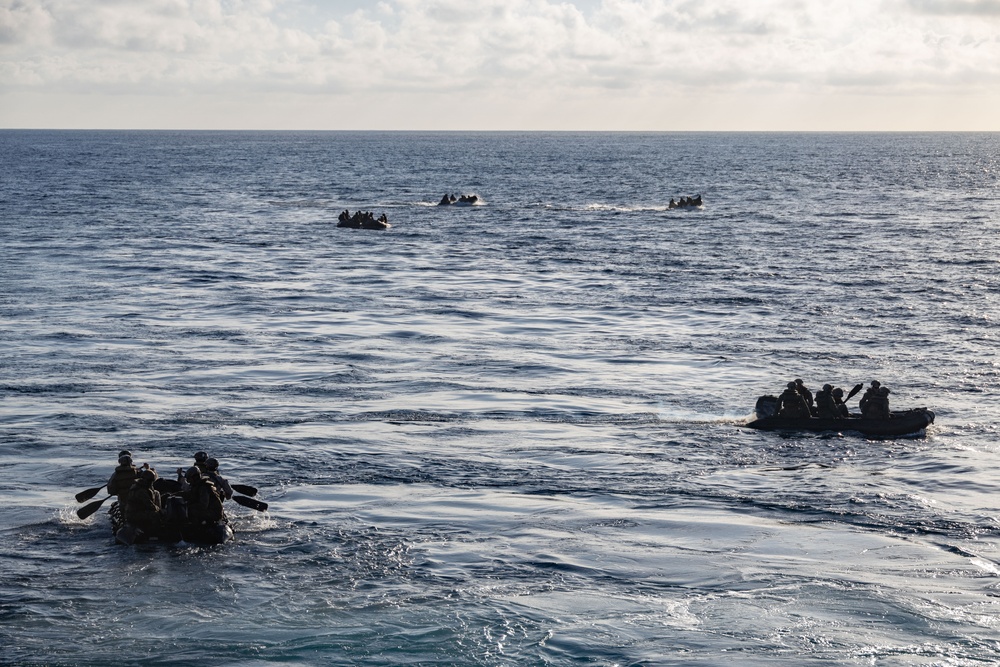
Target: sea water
508	433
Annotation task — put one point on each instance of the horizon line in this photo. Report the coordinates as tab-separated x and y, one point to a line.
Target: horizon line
488	131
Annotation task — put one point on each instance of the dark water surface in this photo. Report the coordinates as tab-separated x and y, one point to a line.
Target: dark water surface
505	434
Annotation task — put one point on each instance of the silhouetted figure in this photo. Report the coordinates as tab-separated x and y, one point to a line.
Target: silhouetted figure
826	406
791	404
838	400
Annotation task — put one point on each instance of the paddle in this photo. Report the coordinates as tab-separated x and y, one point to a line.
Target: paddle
88	494
251	503
858	387
87	510
164	485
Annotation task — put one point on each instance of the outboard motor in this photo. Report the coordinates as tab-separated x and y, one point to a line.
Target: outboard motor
767	406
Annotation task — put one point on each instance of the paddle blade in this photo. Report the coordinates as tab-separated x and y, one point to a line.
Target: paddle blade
84	496
87	510
251	503
245	489
858	387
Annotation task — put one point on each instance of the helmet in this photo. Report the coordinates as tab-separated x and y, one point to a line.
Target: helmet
124	460
798	380
192	474
200	457
791	385
876	384
838	392
148	475
828	387
212	464
124	452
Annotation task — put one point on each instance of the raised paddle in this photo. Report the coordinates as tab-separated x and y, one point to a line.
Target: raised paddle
164	485
88	494
245	489
258	505
858	387
87	510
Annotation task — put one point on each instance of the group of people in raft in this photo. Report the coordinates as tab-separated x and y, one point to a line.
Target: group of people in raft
362	220
797	402
202	488
447	200
685	201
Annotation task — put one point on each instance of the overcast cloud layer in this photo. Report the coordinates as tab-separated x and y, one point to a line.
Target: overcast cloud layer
516	64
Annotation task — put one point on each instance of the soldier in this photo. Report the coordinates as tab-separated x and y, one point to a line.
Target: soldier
878	405
826	407
203	503
123	477
143	507
200	459
807	395
791	404
221	485
838	400
869	394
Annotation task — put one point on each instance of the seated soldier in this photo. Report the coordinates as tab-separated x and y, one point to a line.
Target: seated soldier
877	406
791	404
221	485
203	503
869	394
123	477
807	395
838	400
826	406
143	504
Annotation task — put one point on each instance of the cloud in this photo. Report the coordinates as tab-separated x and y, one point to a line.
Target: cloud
956	7
444	44
20	22
532	52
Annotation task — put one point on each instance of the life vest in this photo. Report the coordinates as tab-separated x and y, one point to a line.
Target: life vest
791	404
878	407
204	504
826	407
221	485
122	479
142	506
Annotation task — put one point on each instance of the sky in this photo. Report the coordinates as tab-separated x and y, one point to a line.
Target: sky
633	65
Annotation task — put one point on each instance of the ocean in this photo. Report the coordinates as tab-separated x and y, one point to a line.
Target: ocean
508	433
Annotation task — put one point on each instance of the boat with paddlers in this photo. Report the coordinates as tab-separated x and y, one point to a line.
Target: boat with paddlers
691	203
177	521
463	200
175	527
362	220
899	423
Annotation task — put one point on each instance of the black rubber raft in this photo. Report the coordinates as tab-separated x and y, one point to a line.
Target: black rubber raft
907	422
175	527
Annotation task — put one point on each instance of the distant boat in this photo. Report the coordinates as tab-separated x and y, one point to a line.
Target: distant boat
464	200
362	220
690	203
905	422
